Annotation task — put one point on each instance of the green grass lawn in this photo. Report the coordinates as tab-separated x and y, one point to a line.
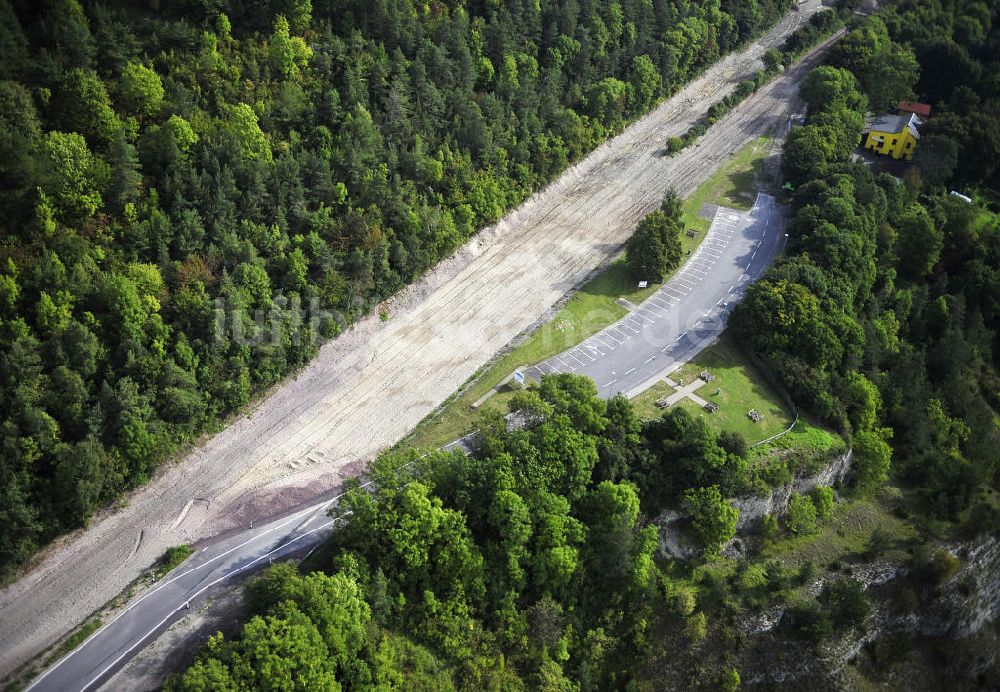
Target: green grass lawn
733	185
591	309
740	386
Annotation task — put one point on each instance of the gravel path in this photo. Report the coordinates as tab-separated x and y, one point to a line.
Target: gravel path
368	388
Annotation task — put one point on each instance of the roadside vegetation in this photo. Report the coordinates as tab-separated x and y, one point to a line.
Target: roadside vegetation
171	559
594	305
546	559
819	26
183	190
25	675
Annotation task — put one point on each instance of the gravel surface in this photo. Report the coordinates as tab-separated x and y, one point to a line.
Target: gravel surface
369	387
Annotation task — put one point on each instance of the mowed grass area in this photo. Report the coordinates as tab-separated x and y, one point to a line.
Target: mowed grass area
733	185
738	387
589	310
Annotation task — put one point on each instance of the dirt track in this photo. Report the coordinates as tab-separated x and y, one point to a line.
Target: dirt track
371	386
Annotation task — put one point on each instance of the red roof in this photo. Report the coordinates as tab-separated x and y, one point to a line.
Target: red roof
913	107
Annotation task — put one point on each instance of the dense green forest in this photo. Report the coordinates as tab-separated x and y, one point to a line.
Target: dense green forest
882	318
534	563
531	563
194	194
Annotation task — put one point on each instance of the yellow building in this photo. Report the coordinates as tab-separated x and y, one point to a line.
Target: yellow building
894	135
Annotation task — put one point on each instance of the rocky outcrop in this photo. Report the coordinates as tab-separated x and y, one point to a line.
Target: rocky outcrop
674	544
959	624
971	598
753	509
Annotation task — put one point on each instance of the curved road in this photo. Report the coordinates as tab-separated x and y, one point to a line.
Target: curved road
686	314
77	579
112	646
669	327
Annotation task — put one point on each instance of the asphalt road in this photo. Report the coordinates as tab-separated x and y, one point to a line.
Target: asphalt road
685	315
669	327
111	647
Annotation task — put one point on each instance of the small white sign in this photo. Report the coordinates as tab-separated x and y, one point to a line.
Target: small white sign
519	377
643	284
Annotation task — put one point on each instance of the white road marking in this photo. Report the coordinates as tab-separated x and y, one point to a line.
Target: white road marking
566	362
598	339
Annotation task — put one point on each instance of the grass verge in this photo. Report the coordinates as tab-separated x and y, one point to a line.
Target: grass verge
23	677
733	185
590	309
171	559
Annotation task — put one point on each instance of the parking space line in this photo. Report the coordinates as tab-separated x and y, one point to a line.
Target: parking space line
598	338
566	362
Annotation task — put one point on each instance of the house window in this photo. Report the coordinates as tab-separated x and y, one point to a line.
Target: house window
909	144
894	140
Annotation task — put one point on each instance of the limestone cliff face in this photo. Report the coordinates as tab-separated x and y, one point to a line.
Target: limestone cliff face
753	509
959	628
674	544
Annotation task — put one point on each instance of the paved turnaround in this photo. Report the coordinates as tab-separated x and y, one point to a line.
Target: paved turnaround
686	314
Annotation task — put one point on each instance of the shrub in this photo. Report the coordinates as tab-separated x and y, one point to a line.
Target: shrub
801	514
847	602
674	145
822	497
